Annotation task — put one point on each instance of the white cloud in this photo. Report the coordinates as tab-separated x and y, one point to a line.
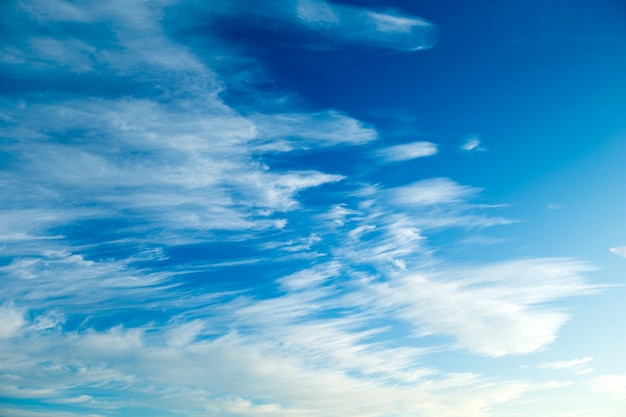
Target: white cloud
141	43
619	251
288	349
472	144
493	310
432	191
20	412
407	151
310	278
290	131
395	23
316	11
11	320
86	286
74	53
174	160
353	24
392	241
114	323
283	366
578	366
565	364
327	24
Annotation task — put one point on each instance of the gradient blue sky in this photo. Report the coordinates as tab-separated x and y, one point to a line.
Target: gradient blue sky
303	208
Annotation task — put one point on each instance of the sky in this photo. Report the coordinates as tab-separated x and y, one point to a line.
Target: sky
309	208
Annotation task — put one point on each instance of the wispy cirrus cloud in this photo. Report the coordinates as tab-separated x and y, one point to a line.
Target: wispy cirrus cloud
278	340
384	29
472	144
407	151
578	366
288	131
326	24
490	310
432	191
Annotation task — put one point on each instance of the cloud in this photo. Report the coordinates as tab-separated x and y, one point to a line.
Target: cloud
307	279
162	163
328	25
619	251
390	23
578	366
316	12
127	48
472	144
390	30
302	368
565	364
21	412
473	305
162	254
11	320
392	241
72	53
407	151
291	131
86	286
432	191
491	310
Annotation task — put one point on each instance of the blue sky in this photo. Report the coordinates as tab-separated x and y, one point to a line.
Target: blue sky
306	208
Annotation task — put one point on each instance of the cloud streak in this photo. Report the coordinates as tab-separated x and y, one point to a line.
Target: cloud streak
432	191
578	366
350	24
407	151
